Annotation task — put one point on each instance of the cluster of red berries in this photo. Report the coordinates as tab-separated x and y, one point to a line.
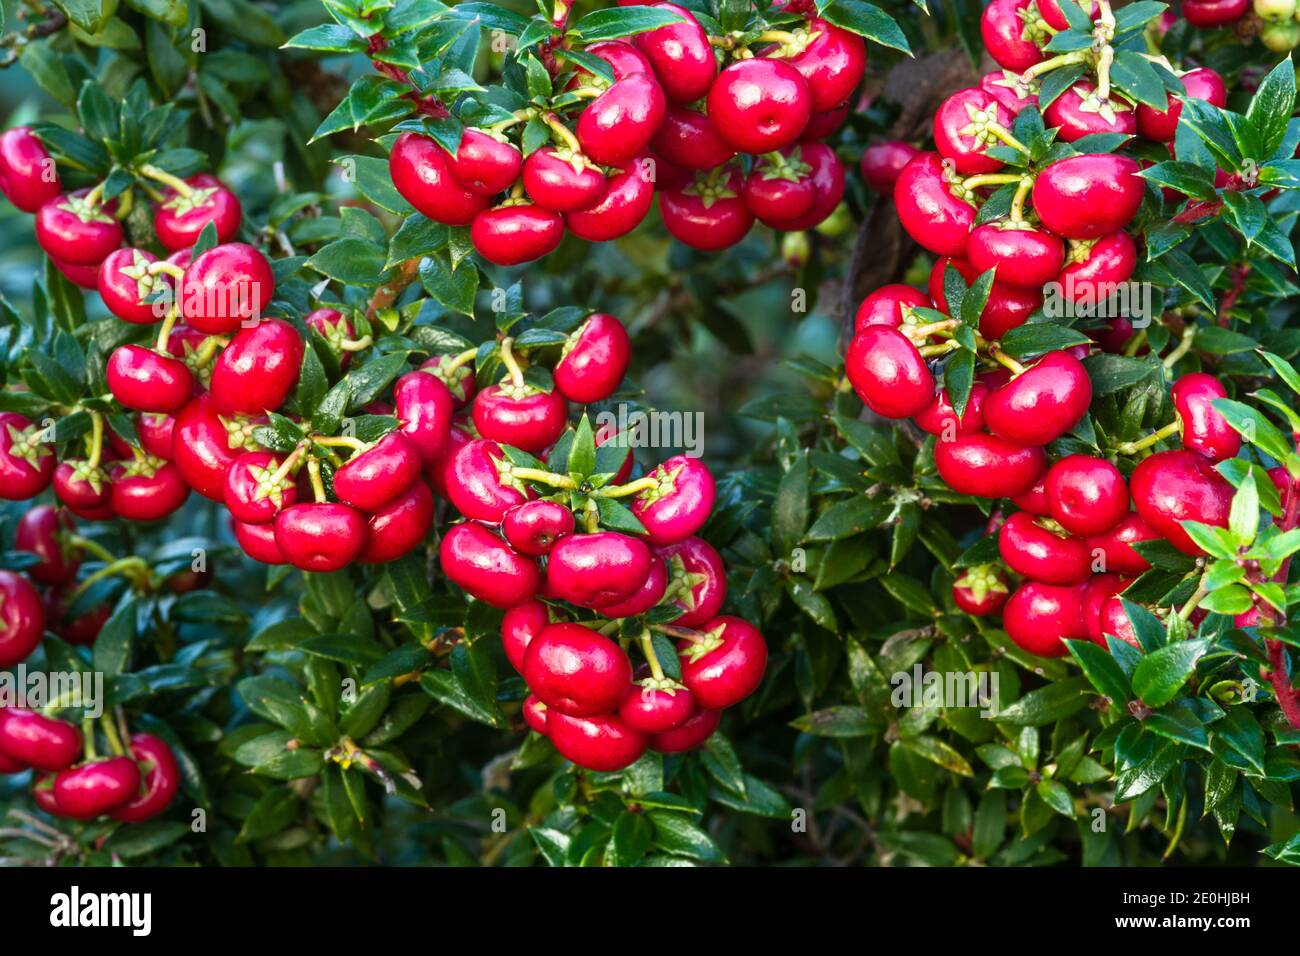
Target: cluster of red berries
1071	539
135	785
670	120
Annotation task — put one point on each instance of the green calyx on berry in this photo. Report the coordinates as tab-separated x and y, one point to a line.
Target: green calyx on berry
982	580
664	484
196	199
26	445
86	208
711	187
239	433
682	584
777	166
706	643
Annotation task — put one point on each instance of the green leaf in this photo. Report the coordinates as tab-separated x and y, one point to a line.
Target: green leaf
839	722
866	20
1047	704
1101	670
617	22
1271	108
790	509
1162	673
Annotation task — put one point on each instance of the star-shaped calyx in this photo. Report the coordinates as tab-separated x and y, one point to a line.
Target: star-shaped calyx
711	187
197	199
708	642
138	272
85	209
25	444
981	581
682	584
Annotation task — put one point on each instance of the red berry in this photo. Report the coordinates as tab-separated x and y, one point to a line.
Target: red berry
1023	256
320	536
161	780
374	477
601	743
1171	487
594	360
486	567
43	531
1040	550
623	58
929	210
649	595
459	381
698	728
520	415
888	373
124	283
708	213
1078	112
421	171
1050	11
483	164
1204	429
1039	617
940	418
534	712
1113	620
726	664
226	287
77	232
981	590
830	59
258	541
37	741
680	55
759	105
1086	495
1034	498
595	570
679	504
147	489
1114	548
1208	14
825	124
1093	598
28	176
576	671
780	188
1089	196
1002	86
85	277
1093	267
258	369
534	527
179	220
519	626
688	139
963	130
987	466
882	162
656	707
23	617
624	204
1042	403
85	490
562	180
1004	34
398	527
335	329
1201	83
697	580
95	788
516	232
1007	308
828	177
890	305
253	493
618	125
205	443
424	407
142	379
479	483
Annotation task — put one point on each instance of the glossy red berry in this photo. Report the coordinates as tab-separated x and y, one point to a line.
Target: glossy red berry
1114	621
398	527
759	105
23	617
890	305
888	373
623	205
602	743
697	728
320	536
966	124
1089	196
656	706
205	443
1094	267
1086	495
161	780
421	171
1050	11
688	139
1004	33
726	664
124	283
255	491
484	164
534	714
147	489
1209	14
519	625
486	567
981	590
26	461
828	177
142	379
1042	403
576	671
618	125
77	231
1004	87
825	124
680	54
928	209
226	287
83	489
424	407
1201	83
1204	428
258	541
44	531
520	415
1171	487
95	788
373	477
882	162
644	598
679	503
1039	549
1021	255
28	176
1040	617
708	212
562	180
179	219
940	418
830	59
1114	551
34	740
780	188
987	466
594	360
697	580
534	527
478	481
258	369
595	570
517	232
1078	112
1093	598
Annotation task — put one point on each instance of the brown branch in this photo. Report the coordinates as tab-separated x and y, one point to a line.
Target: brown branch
389	292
